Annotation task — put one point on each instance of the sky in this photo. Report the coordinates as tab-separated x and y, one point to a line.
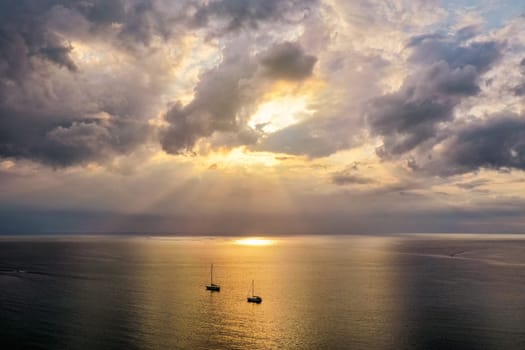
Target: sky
262	117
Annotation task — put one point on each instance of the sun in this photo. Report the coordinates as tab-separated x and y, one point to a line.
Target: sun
277	114
253	241
240	156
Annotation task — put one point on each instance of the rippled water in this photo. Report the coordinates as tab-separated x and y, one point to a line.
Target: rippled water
411	292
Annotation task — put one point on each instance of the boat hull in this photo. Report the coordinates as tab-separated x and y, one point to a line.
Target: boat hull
213	288
255	299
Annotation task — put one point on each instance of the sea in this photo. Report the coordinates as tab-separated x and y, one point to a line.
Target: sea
319	292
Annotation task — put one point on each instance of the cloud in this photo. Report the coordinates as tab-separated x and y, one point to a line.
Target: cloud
446	70
470	185
315	137
23	36
352	174
50	104
350	179
226	96
495	143
46	83
222	101
250	13
59	55
103	87
287	61
64	64
336	122
519	89
429	49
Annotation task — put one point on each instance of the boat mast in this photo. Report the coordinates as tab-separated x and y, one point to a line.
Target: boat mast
211	274
252	289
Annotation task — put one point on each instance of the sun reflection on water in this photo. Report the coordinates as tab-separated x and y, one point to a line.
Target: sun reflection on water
254	241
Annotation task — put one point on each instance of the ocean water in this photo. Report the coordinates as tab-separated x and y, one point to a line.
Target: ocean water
403	292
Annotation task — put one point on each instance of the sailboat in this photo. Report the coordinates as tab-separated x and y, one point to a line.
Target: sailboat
212	286
254	298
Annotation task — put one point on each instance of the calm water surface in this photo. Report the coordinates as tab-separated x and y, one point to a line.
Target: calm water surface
409	292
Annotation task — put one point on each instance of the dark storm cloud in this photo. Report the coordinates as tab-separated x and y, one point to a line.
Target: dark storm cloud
452	50
23	35
496	143
288	61
59	141
59	55
102	11
40	117
28	27
446	71
132	22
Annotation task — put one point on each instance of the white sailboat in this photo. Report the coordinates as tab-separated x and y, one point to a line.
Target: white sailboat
254	298
212	286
